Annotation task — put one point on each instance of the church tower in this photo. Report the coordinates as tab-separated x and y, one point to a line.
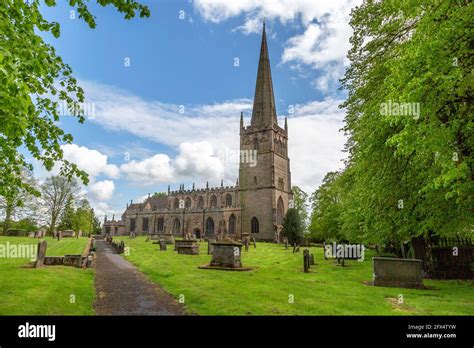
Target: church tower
264	173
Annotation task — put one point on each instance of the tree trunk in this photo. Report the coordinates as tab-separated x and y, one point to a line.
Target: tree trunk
8	217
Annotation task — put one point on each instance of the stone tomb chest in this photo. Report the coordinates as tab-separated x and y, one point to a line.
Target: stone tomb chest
167	237
187	246
226	255
393	272
68	234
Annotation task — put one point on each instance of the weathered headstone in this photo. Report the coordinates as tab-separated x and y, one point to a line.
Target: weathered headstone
306	260
162	245
286	243
254	243
247	242
294	248
311	259
41	253
297	249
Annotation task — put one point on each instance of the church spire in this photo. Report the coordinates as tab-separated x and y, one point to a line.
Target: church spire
264	112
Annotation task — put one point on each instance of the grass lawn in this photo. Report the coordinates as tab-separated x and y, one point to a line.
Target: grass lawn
45	291
278	276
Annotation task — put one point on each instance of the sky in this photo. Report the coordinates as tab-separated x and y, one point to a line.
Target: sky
164	94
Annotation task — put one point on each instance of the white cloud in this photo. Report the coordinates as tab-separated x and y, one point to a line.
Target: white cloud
150	170
102	190
324	43
91	161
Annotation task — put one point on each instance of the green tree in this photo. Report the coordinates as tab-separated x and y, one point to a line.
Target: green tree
67	216
56	193
326	209
300	199
17	201
292	227
412	164
35	82
83	218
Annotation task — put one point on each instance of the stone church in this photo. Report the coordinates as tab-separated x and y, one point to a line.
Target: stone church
255	206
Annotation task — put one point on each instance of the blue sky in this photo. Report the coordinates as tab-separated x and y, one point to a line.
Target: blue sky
172	115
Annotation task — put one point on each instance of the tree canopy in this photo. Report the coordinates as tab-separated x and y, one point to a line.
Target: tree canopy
409	123
34	81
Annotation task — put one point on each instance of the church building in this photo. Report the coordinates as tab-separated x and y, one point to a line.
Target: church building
255	206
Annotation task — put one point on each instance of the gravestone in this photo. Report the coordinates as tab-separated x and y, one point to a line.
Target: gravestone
210	247
167	237
254	243
188	247
41	253
147	239
226	254
394	272
311	259
247	242
297	249
294	248
162	245
286	243
67	234
306	260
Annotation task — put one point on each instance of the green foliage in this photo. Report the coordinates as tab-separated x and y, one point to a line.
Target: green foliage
80	219
25	224
292	227
35	81
410	173
328	207
300	199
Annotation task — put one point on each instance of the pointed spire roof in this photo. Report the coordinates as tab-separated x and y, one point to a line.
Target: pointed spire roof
264	112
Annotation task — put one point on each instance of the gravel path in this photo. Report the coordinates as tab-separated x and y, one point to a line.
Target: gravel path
123	290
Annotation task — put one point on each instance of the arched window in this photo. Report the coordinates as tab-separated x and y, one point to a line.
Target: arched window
209	226
254	225
280	211
232	224
176	203
200	202
228	200
176	226
213	201
187	202
160	224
